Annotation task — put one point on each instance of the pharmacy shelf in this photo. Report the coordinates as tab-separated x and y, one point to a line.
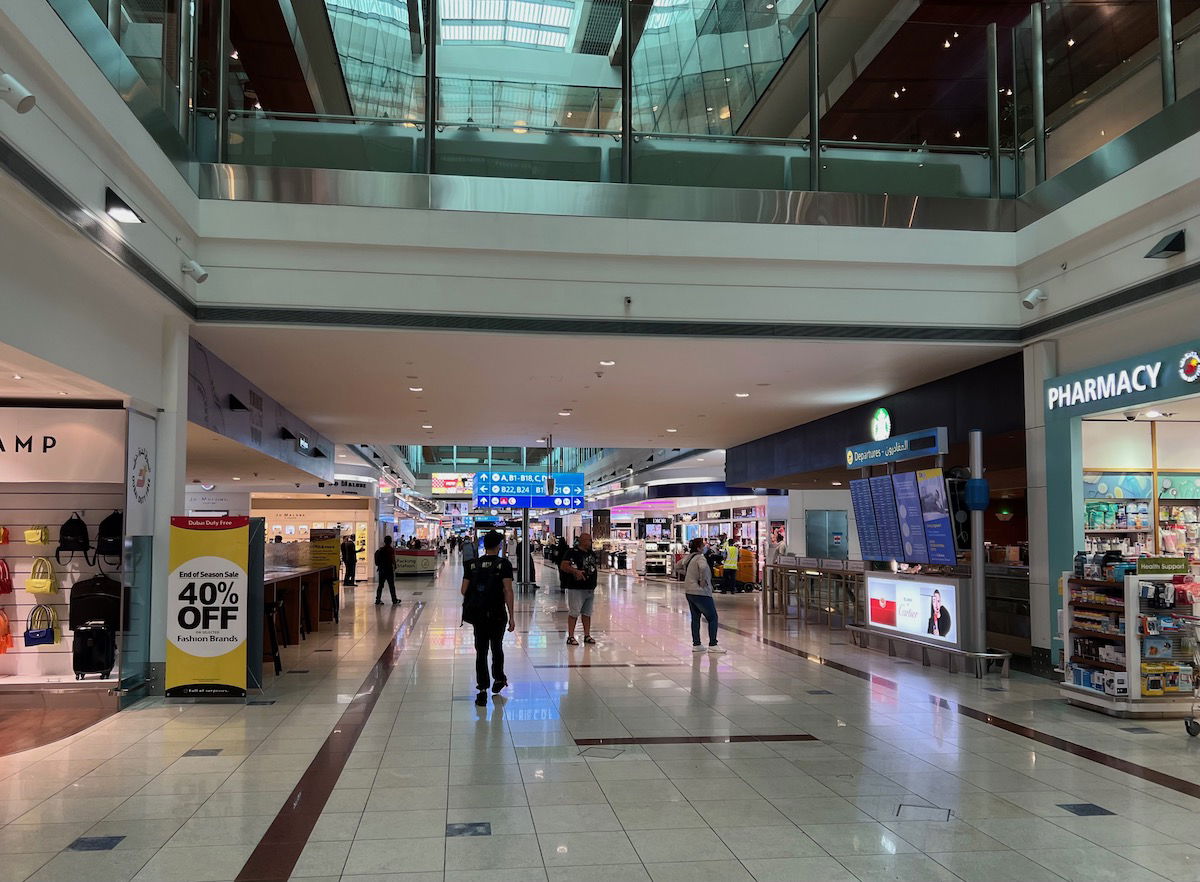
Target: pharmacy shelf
1096	663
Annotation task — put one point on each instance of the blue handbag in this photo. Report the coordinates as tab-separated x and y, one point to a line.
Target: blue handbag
41	628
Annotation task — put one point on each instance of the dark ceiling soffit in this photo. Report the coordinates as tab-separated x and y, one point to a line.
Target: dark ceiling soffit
83	220
625	327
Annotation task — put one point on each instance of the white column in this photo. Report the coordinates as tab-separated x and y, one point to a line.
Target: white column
1041	363
169	497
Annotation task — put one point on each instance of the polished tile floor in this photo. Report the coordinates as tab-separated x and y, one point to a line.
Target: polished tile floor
910	773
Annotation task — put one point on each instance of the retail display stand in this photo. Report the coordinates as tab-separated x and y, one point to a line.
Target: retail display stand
1128	654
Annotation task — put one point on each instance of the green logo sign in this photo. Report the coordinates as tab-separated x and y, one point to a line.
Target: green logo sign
881	425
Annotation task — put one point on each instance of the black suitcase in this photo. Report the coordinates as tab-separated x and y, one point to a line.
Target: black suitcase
94	650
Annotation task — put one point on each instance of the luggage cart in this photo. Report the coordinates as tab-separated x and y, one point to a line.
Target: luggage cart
1191	723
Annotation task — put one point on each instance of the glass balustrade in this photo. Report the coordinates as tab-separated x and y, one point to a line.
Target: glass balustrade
719	92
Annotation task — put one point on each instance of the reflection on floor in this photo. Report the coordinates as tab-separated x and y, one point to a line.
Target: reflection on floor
630	760
23	728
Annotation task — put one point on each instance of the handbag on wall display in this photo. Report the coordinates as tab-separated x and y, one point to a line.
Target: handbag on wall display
41	579
38	535
73	536
6	640
6	582
41	628
3	535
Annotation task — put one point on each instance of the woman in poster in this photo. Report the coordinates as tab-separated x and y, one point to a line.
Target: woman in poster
939	616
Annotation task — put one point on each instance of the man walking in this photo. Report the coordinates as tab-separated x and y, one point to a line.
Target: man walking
349	559
385	564
579	570
487	590
470	549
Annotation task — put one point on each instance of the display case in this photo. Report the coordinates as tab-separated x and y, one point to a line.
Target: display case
1129	646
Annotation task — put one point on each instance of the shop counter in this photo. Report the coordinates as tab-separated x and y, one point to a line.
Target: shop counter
415	563
308	595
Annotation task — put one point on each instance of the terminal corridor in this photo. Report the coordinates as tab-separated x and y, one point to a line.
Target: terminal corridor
795	757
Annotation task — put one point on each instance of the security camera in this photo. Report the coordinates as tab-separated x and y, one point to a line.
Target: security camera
195	270
629	301
16	95
1033	298
1131	415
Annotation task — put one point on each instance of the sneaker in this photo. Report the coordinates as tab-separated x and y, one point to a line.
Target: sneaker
697	648
395	603
379	603
571	641
589	639
498	685
717	650
481	699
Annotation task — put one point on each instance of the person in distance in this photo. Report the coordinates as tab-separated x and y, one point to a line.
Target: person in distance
578	568
698	589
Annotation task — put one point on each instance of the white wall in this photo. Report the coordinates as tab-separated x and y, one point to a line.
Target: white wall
1111	445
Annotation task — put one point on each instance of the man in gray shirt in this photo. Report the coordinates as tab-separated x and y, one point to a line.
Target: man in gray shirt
698	589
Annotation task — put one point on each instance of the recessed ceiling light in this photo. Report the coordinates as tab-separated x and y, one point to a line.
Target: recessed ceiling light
958	134
237	479
18	377
1071	41
608	363
426	426
672	430
1152	414
946	45
700	459
416	388
896	94
539	441
837	483
741	394
564	413
62	393
341	456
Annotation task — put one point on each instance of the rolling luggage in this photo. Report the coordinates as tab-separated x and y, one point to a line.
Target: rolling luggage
94	650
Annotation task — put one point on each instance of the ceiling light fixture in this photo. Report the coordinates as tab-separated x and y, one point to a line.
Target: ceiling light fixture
741	394
958	134
607	363
564	413
426	426
837	483
1070	41
18	377
946	45
195	270
672	430
62	393
416	388
118	209
539	440
237	479
896	94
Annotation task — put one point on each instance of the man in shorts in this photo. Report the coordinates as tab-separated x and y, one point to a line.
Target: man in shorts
578	569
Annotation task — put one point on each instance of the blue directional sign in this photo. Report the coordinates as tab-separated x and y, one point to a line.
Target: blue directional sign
528	490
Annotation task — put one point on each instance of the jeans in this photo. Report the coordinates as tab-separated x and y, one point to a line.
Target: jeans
390	578
703	605
489	636
350	567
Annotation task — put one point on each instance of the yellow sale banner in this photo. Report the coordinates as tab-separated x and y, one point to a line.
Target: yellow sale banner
206	607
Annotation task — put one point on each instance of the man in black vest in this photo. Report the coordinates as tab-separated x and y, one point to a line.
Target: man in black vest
487	590
385	563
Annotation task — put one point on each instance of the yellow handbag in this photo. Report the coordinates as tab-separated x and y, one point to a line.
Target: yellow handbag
37	536
41	578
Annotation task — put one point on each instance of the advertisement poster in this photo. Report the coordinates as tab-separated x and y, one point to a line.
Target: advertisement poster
886	518
325	548
921	609
452	483
912	524
935	509
206	608
864	516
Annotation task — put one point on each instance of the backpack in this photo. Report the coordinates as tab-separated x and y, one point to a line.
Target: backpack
73	537
484	601
109	536
6	582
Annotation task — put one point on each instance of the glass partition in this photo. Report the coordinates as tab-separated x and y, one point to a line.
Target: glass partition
137	47
1186	18
529	89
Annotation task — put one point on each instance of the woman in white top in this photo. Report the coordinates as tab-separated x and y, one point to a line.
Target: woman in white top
698	588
